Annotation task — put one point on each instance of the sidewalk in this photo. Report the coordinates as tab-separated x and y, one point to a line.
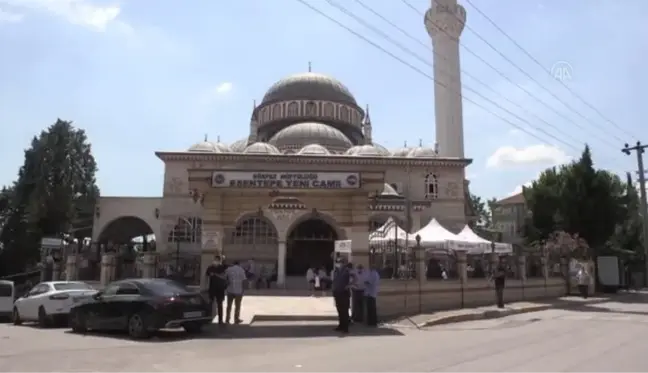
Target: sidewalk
492	312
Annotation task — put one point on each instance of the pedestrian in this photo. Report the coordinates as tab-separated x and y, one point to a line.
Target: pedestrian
217	284
310	280
499	278
235	283
371	280
583	278
341	294
357	294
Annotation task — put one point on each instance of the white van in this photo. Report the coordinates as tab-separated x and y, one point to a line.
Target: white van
7	292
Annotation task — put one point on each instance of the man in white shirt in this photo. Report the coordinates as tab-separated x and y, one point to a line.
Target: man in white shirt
236	278
371	280
357	294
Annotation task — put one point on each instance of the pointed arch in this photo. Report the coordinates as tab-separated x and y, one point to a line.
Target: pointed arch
431	186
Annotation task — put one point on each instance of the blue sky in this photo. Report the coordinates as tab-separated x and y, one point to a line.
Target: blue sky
141	76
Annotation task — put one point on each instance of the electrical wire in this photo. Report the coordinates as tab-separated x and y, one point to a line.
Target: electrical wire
421	72
408	4
535	60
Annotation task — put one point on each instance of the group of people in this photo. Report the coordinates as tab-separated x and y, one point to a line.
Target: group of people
226	282
354	289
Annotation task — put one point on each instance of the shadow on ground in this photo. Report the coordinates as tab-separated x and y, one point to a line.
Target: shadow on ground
256	332
604	304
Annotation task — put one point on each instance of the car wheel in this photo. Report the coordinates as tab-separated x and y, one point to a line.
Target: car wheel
15	316
193	327
43	320
78	322
137	326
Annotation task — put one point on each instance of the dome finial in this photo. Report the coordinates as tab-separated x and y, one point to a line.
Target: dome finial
436	147
420	142
310	67
405	144
218	138
205	137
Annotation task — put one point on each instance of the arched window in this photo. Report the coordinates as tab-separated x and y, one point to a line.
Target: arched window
186	230
431	186
254	230
293	109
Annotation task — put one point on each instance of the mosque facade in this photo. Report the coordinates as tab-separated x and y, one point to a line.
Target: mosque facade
307	173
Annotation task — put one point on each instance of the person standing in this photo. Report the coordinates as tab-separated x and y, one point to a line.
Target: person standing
217	284
357	294
236	278
583	278
372	280
342	294
499	278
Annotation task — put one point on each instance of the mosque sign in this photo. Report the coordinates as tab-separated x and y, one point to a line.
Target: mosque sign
286	180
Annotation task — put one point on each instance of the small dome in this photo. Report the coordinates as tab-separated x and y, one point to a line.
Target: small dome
389	190
366	151
209	147
422	152
299	135
402	152
309	86
261	148
239	146
382	149
313	149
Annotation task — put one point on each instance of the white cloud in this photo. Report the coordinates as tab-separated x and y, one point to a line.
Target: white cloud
534	154
10	17
78	12
223	88
518	189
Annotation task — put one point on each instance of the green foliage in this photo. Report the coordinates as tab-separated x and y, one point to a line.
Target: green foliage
54	194
578	199
482	210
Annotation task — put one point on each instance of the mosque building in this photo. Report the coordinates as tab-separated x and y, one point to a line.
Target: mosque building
306	174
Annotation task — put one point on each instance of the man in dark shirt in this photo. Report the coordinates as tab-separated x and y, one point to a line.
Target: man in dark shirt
499	277
217	285
342	294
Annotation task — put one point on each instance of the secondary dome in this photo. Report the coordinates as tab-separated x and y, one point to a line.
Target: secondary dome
299	135
261	148
209	147
239	146
402	152
309	86
367	151
422	152
313	149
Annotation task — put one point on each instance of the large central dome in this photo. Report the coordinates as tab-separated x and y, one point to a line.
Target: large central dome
309	86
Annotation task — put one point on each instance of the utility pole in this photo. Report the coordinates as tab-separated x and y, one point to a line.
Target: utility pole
640	149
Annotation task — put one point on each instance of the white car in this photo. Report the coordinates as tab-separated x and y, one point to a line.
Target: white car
50	302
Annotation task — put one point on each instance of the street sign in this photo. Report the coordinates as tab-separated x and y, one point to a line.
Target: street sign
343	246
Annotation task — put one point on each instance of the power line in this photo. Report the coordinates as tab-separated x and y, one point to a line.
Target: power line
562	115
427	62
528	54
416	69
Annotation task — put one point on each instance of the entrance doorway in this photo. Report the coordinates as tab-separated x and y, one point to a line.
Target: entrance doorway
310	244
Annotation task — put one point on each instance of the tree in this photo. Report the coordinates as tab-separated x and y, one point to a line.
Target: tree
482	210
577	199
54	194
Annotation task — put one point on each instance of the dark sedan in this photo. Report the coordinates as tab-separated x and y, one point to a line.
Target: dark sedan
141	307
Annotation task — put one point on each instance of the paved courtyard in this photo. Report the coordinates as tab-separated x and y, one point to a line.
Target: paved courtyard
607	336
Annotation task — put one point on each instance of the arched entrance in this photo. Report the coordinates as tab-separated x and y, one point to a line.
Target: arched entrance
124	229
119	236
310	244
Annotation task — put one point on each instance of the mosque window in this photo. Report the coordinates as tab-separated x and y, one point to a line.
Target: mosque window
293	109
188	229
329	110
265	114
431	186
311	109
344	113
276	111
255	230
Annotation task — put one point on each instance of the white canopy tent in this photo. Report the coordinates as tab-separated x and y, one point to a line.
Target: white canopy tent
483	245
435	236
391	232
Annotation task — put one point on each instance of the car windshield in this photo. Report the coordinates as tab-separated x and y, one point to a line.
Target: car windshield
6	290
72	286
166	287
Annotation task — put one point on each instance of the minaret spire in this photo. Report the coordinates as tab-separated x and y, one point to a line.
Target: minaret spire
366	126
205	137
310	67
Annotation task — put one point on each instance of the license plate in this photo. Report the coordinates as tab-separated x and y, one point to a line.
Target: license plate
189	315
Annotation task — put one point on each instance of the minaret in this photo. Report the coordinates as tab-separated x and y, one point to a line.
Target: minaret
444	22
366	127
254	126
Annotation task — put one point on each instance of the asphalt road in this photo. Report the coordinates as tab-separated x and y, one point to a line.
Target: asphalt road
604	337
